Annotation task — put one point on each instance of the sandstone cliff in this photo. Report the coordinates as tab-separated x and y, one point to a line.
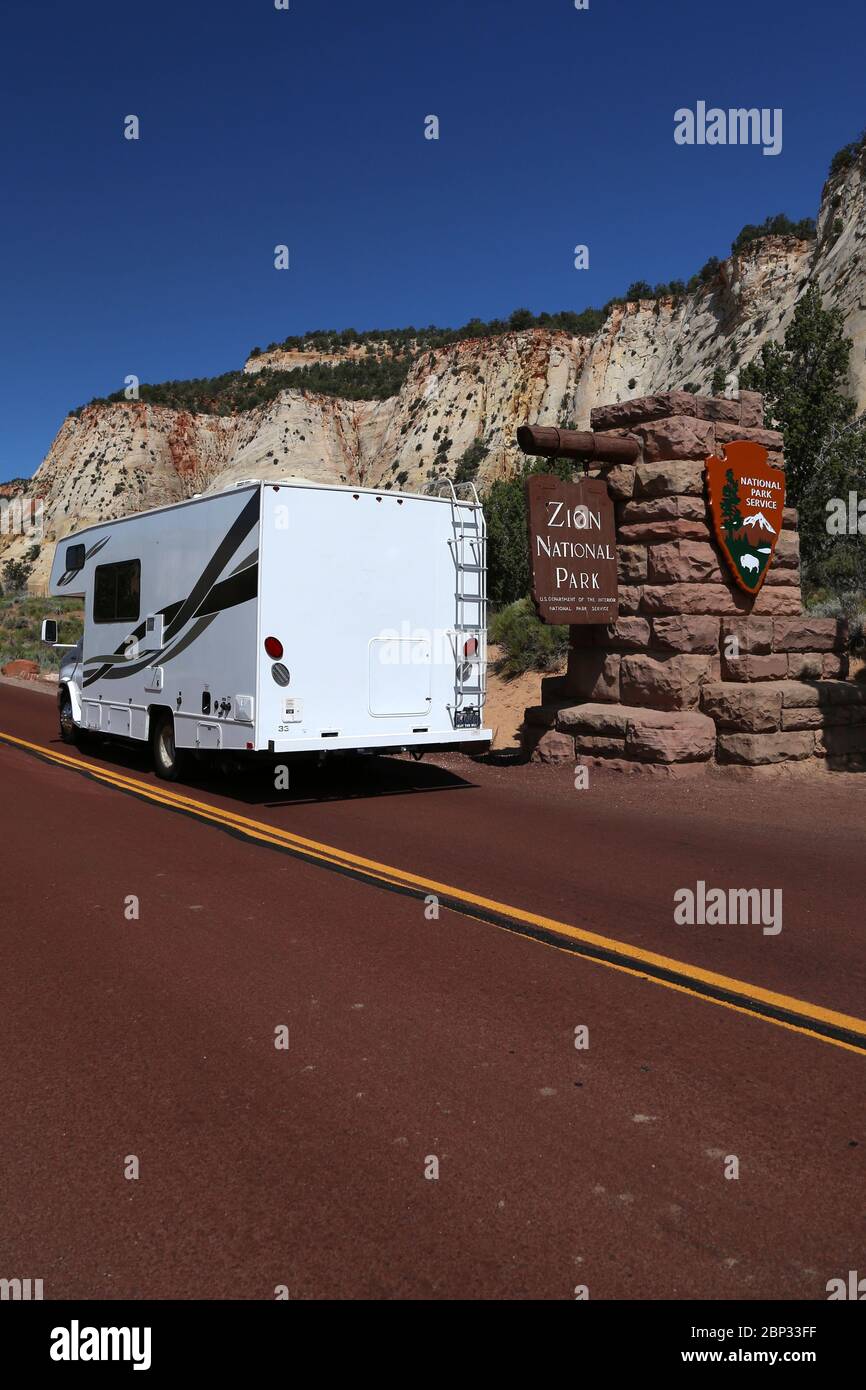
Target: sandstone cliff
112	459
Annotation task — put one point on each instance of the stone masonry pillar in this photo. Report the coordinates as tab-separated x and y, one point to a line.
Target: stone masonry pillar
695	670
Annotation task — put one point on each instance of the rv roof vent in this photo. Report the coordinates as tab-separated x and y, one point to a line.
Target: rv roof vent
294	478
244	482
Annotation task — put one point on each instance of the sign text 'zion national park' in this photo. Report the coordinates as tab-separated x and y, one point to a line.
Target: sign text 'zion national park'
572	541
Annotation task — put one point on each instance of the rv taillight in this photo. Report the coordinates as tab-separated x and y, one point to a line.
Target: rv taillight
470	647
274	647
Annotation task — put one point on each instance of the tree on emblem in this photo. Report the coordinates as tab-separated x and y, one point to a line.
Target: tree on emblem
731	505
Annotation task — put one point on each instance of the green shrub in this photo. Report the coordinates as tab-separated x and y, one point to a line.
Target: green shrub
527	643
844	158
780	225
15	576
469	462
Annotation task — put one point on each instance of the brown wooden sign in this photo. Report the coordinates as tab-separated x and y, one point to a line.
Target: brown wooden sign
572	550
747	499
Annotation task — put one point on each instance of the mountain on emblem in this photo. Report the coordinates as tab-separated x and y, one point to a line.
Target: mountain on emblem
758	520
747	497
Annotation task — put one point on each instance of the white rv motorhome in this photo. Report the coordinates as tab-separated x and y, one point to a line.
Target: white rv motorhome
280	617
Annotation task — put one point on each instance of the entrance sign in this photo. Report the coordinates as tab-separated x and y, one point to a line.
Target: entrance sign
572	548
747	500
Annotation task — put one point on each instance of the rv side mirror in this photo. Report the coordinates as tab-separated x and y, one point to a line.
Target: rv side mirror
49	631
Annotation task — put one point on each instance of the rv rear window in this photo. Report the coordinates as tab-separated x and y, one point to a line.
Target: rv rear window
116	592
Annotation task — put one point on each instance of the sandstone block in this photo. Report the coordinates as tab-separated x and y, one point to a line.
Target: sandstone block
751	410
624	414
770	439
665	682
777	577
626	634
595	718
594	674
651	532
684	562
718	408
690	598
787	552
834	666
745	708
631	563
553	747
804	634
629	599
647	509
804	666
677	437
815	718
670	507
797	695
599	746
671	738
617	476
782	602
686	634
665	479
762	749
752	635
620	480
755	668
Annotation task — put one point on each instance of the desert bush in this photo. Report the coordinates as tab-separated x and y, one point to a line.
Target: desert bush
527	643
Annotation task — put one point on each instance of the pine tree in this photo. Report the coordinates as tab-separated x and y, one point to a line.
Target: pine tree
803	384
731	505
802	381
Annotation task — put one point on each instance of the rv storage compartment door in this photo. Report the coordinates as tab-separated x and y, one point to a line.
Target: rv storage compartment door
400	676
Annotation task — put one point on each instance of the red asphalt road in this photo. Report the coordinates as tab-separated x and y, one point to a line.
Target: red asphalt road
411	1037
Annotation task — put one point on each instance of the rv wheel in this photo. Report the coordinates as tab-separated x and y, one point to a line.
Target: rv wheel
68	731
167	761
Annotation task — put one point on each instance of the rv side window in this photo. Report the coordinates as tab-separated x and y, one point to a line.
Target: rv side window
75	558
116	592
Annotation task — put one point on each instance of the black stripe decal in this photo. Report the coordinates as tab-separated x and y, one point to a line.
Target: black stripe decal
178	613
238	588
215	566
167	654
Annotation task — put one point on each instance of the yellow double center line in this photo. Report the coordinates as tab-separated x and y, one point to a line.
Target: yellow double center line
842	1030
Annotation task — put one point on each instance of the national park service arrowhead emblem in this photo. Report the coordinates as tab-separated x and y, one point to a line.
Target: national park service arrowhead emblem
747	500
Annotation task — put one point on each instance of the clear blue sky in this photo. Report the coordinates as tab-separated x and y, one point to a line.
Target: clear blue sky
306	127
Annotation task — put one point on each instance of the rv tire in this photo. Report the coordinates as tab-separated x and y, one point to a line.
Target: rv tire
68	730
168	760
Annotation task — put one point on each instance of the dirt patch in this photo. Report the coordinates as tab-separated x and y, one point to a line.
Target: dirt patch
508	698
